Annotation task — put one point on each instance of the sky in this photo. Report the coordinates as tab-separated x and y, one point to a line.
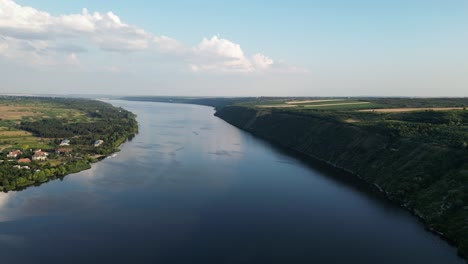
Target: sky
235	48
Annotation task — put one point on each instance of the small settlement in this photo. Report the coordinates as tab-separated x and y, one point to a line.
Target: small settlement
38	155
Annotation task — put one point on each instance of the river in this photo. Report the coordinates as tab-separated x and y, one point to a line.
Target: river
190	188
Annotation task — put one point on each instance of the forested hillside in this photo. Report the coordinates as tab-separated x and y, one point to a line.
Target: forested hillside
418	159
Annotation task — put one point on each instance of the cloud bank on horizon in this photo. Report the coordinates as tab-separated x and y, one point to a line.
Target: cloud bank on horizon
37	37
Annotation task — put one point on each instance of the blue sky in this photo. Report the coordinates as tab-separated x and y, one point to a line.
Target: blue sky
387	48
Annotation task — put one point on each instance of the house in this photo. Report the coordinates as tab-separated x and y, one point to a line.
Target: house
63	150
14	153
40	155
24	160
21	167
65	142
98	143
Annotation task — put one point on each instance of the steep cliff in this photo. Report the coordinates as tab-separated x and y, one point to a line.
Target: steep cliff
429	177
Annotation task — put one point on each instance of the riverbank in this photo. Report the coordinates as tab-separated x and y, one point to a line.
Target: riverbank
427	178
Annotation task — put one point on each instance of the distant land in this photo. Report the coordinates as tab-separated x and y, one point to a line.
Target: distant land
413	150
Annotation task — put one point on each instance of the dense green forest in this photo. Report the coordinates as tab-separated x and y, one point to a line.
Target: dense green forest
110	124
50	121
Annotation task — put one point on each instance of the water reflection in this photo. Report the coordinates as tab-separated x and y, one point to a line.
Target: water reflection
4	205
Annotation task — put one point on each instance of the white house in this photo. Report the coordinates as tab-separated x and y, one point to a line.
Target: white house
40	155
65	142
98	143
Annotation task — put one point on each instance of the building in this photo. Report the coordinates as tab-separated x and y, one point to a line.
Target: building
98	143
65	142
14	153
40	155
24	160
63	150
21	167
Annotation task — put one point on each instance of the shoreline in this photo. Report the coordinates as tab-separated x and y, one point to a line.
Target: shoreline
55	177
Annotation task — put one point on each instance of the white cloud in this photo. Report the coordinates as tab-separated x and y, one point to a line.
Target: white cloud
22	22
106	30
221	55
261	61
169	45
28	34
220	47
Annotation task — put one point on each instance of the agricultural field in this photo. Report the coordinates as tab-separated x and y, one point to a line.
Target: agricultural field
314	104
377	105
13	111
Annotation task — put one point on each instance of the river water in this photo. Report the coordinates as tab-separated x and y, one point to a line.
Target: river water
190	188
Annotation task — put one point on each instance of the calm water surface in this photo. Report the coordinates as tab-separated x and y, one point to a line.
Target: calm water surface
191	188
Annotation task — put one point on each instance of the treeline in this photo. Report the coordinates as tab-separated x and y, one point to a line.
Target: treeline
16	178
86	133
452	118
418	102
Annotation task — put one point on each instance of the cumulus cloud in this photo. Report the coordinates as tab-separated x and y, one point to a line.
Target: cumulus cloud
27	33
261	61
106	30
221	54
218	54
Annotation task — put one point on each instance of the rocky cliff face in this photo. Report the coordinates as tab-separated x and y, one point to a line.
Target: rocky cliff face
425	178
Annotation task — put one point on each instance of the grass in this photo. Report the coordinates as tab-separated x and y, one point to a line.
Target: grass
18	111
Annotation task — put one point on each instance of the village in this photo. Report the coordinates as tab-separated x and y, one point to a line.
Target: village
64	151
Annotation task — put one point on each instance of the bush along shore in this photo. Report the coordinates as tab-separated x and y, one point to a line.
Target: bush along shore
417	159
56	137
